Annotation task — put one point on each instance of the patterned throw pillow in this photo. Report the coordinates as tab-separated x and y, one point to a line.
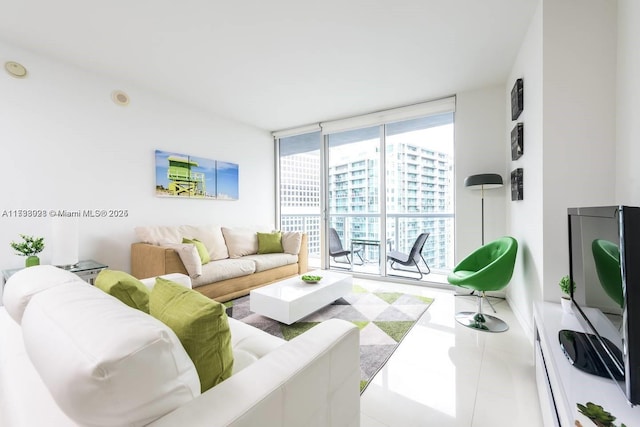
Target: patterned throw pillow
202	326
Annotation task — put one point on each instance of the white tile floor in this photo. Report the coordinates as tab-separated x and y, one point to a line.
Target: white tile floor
444	374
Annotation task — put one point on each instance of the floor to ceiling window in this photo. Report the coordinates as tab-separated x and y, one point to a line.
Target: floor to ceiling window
381	180
419	189
353	197
299	188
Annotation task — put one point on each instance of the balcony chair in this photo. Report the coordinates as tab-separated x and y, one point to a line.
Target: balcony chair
488	268
412	258
337	251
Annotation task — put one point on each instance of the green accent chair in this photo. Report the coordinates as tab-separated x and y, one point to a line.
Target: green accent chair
488	268
607	257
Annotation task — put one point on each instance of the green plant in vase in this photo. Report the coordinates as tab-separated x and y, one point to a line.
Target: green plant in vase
598	415
29	247
567	286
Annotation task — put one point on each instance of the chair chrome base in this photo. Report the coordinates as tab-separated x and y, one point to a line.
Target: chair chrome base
480	321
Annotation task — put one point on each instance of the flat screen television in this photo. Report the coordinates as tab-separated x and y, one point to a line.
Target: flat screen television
604	264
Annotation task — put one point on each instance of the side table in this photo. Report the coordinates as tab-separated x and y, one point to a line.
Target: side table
87	270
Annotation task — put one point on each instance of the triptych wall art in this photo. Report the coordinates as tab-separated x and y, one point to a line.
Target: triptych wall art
182	175
517	139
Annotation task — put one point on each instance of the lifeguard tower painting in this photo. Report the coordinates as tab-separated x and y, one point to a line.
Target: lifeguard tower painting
181	175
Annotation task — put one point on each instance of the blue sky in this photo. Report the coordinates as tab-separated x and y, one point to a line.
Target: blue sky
228	179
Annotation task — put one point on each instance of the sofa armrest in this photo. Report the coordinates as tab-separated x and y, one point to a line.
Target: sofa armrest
151	261
303	255
312	380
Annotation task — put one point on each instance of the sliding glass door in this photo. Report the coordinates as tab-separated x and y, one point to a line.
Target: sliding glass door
366	186
353	200
419	191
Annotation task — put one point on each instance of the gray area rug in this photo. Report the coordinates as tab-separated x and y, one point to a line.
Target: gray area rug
384	319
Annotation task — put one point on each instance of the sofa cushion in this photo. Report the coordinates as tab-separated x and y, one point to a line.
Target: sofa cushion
291	242
189	256
24	284
203	252
250	344
224	269
124	287
270	243
211	236
201	325
240	241
100	370
268	261
159	234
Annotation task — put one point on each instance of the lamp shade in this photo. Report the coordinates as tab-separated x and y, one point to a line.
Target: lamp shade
483	181
65	241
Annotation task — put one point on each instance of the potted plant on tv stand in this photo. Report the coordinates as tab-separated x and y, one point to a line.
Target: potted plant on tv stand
566	286
29	247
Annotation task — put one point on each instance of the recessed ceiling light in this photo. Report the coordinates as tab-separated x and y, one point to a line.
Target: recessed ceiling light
15	69
120	98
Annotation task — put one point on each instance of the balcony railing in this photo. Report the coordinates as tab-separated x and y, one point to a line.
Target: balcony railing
402	230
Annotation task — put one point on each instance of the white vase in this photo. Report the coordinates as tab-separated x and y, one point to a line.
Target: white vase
567	305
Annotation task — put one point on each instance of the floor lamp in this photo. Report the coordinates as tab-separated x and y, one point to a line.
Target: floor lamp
483	181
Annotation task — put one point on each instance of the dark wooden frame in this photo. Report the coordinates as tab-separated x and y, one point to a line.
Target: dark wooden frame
517	141
517	99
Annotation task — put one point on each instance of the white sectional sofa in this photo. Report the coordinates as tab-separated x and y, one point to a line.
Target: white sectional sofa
236	266
71	355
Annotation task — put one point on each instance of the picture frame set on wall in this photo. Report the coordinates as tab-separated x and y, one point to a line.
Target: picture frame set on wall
517	139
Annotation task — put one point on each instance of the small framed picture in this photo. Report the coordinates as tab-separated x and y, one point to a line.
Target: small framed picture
517	141
517	99
517	190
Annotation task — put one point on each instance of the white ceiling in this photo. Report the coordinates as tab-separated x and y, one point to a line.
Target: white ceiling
277	64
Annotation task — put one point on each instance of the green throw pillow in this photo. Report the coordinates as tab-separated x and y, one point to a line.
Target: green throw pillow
202	249
202	326
125	287
270	243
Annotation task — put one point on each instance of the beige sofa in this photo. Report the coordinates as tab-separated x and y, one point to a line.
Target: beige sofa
235	267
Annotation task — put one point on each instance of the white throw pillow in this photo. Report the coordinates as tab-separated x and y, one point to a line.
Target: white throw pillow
211	236
189	256
291	242
106	364
240	241
27	282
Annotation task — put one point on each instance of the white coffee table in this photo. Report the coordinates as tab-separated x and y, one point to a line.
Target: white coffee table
291	299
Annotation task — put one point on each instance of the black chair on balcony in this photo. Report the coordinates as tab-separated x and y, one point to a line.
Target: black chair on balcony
412	258
337	251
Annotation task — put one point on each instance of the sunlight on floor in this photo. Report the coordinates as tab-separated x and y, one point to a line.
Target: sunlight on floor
444	374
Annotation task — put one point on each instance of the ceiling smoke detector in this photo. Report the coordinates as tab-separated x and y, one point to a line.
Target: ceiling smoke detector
120	98
15	69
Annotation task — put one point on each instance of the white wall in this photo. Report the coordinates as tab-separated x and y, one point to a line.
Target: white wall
479	148
628	103
66	145
579	120
525	218
568	61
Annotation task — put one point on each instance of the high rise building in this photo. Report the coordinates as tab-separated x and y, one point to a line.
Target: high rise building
419	198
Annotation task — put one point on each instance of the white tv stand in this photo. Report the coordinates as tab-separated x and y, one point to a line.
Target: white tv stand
560	385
